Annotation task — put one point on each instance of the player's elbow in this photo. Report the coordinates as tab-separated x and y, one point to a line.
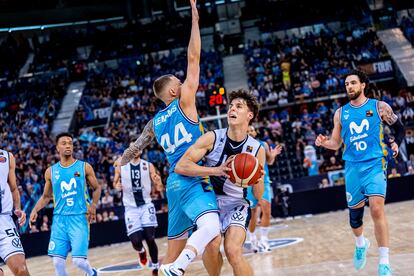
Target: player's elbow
180	167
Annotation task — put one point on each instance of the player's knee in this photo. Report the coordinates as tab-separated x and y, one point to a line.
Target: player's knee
214	245
79	262
233	253
59	263
136	240
377	211
356	216
21	270
210	223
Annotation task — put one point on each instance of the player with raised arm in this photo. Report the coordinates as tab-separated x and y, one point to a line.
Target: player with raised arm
191	200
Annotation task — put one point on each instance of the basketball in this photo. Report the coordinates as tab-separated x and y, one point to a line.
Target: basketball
245	169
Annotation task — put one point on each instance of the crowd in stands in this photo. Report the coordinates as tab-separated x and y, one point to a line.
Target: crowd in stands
14	50
296	68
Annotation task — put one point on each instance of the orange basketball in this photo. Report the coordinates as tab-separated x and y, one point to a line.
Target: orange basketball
245	169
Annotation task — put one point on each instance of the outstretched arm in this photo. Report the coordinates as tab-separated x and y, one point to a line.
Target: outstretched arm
335	141
140	144
188	163
190	85
258	188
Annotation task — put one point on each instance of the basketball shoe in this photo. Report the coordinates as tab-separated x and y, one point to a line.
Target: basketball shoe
360	255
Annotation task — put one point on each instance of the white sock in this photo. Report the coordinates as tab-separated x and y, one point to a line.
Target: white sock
185	258
264	231
60	266
360	241
83	264
383	255
252	236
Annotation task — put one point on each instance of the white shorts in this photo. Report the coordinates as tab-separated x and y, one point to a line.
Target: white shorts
10	243
136	218
233	212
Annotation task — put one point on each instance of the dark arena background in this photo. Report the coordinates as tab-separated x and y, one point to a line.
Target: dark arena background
88	67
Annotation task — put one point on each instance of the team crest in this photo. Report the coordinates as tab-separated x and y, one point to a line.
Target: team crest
249	149
3	159
369	113
346	116
77	174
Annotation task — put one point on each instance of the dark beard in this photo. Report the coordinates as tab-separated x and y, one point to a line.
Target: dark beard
356	95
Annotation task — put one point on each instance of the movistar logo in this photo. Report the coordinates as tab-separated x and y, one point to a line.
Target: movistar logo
65	186
353	127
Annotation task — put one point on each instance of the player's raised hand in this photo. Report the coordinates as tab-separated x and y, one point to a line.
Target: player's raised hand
320	140
21	215
33	217
394	147
276	151
194	10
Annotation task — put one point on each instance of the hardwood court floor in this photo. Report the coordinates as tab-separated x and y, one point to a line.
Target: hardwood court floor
326	249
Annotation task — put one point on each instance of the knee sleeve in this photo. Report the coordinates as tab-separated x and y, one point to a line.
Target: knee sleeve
355	217
208	227
149	233
60	266
136	240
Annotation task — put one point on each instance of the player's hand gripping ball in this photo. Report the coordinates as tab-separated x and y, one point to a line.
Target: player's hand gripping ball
245	170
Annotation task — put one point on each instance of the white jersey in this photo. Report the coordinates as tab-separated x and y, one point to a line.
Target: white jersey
136	184
222	150
6	202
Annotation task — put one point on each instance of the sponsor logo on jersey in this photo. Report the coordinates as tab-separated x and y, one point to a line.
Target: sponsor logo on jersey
3	159
64	186
17	243
353	127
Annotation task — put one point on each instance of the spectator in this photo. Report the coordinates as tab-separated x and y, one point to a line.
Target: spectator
410	171
324	183
105	216
112	216
394	173
310	162
108	200
333	165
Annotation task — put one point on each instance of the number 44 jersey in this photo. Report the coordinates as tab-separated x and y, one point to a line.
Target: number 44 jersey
175	132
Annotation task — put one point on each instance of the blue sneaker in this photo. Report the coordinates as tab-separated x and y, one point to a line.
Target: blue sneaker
360	255
169	270
384	270
95	272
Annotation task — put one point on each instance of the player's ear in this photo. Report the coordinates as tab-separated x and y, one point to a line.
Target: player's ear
250	115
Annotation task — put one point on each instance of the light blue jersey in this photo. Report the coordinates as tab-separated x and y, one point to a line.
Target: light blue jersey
188	197
364	152
70	228
70	194
175	132
362	132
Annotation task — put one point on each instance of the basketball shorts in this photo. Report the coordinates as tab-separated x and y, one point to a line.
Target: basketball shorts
70	232
233	212
267	195
365	179
136	218
188	199
10	243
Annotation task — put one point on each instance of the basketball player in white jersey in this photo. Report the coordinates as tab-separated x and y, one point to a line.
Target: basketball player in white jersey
218	147
135	179
11	249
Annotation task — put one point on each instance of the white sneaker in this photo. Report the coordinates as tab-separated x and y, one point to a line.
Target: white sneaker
264	246
253	246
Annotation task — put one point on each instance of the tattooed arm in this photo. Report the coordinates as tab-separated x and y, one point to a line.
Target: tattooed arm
388	116
140	144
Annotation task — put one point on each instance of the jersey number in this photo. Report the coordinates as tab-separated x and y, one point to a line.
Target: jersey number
180	136
69	201
361	145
